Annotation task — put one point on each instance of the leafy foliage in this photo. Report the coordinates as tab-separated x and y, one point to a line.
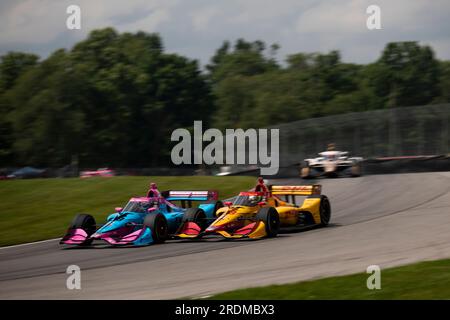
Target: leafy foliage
114	99
314	85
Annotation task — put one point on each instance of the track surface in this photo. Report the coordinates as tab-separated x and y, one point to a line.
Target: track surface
386	220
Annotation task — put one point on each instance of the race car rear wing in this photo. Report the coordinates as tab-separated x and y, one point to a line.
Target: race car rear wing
315	189
185	195
293	191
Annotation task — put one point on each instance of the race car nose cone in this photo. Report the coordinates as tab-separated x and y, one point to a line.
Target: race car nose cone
330	167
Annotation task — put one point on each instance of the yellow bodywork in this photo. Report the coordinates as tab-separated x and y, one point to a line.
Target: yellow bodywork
235	217
240	221
259	232
187	236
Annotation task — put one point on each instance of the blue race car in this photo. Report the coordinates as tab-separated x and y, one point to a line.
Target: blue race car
145	220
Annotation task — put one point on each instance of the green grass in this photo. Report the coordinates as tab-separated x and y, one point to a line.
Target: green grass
425	280
39	209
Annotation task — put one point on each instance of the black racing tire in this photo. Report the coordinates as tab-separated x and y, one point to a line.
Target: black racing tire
217	206
305	172
158	225
355	170
196	215
325	211
271	219
87	223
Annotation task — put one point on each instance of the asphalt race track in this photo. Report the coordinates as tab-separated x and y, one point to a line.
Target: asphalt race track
386	220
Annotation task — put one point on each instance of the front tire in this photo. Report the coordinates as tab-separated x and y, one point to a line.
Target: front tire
87	223
158	225
305	172
197	216
271	219
217	206
355	170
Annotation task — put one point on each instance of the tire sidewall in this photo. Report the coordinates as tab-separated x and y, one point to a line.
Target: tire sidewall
305	172
158	225
271	219
355	170
217	206
196	215
325	210
84	221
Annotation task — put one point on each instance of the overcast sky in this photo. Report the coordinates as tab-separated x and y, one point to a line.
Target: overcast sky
196	28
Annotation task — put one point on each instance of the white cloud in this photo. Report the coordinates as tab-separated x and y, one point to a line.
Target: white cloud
197	27
31	21
43	21
137	14
342	25
201	18
333	18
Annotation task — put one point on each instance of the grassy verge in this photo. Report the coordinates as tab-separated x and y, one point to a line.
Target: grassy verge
38	209
425	280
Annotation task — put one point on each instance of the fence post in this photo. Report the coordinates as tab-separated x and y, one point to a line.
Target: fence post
445	131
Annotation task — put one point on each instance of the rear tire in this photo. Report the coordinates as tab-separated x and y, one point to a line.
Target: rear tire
355	170
87	223
325	211
305	172
158	225
196	215
271	219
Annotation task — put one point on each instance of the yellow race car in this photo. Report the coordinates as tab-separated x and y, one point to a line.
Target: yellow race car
261	213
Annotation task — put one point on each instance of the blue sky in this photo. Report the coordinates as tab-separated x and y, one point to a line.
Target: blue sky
196	28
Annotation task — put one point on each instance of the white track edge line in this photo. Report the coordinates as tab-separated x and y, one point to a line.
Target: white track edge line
27	244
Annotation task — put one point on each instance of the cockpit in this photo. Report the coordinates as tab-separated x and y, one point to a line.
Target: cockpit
247	200
140	206
331	157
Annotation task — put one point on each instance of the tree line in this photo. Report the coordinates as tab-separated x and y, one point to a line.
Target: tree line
114	98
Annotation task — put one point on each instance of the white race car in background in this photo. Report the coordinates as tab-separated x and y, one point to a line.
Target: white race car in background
331	164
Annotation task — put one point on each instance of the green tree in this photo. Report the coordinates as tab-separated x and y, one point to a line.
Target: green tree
46	117
12	66
408	74
246	59
114	100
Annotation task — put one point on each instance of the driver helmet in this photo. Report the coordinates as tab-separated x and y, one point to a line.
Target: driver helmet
153	191
254	199
261	187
